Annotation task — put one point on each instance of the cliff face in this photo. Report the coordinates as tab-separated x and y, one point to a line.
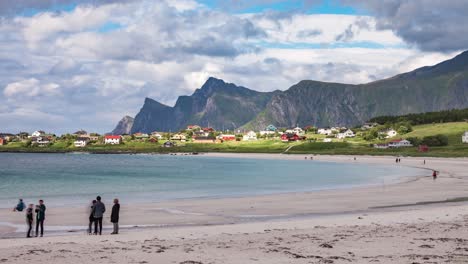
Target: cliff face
440	87
124	126
216	104
227	106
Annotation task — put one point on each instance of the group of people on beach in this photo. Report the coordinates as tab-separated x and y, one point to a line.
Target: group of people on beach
97	210
96	215
39	210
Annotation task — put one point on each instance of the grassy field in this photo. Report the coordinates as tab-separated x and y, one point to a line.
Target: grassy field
454	131
352	146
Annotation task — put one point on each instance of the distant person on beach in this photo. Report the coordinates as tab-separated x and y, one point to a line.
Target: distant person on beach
20	206
434	175
396	160
115	216
91	217
29	218
99	210
40	217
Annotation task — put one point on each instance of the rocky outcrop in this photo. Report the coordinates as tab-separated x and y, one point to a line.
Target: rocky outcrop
124	126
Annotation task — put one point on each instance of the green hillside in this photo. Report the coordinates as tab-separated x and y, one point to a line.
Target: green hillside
453	130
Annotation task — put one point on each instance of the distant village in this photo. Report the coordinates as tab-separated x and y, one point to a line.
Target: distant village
386	136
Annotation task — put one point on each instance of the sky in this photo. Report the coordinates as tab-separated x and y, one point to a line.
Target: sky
67	65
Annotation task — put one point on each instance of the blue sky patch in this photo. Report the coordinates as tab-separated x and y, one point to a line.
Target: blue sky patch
109	26
325	7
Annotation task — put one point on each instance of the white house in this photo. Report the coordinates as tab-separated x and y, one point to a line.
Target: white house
81	142
38	133
399	143
347	134
251	135
388	133
112	140
267	132
298	131
465	137
327	140
180	137
156	135
324	131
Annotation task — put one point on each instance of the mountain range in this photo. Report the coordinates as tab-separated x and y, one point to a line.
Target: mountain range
224	105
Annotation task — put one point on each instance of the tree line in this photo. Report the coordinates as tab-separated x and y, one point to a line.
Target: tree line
454	115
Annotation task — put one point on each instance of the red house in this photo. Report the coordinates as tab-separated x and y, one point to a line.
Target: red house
228	137
208	129
289	137
2	141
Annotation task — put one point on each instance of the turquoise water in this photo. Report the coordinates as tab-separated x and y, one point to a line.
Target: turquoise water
72	179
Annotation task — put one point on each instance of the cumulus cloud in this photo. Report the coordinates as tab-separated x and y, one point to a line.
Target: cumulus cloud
432	25
70	68
31	87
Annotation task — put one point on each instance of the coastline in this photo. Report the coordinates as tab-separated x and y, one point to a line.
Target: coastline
435	152
388	206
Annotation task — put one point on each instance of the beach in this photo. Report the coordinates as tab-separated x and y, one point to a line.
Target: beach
417	220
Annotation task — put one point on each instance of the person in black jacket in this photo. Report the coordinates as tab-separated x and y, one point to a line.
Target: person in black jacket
91	218
99	210
29	218
40	217
115	216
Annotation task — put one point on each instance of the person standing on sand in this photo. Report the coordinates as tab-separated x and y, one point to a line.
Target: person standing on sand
99	210
91	218
40	217
115	216
434	175
29	218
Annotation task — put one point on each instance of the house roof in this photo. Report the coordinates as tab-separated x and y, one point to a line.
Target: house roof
112	137
82	139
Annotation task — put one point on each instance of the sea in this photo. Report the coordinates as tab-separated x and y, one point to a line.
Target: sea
77	178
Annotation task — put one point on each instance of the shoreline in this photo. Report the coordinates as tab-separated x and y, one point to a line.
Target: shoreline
206	210
175	151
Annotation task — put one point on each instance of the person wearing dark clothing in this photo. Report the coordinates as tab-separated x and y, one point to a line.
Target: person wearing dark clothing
20	206
99	210
115	216
91	218
29	219
40	217
434	175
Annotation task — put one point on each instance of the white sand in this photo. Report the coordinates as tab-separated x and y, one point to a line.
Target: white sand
286	228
